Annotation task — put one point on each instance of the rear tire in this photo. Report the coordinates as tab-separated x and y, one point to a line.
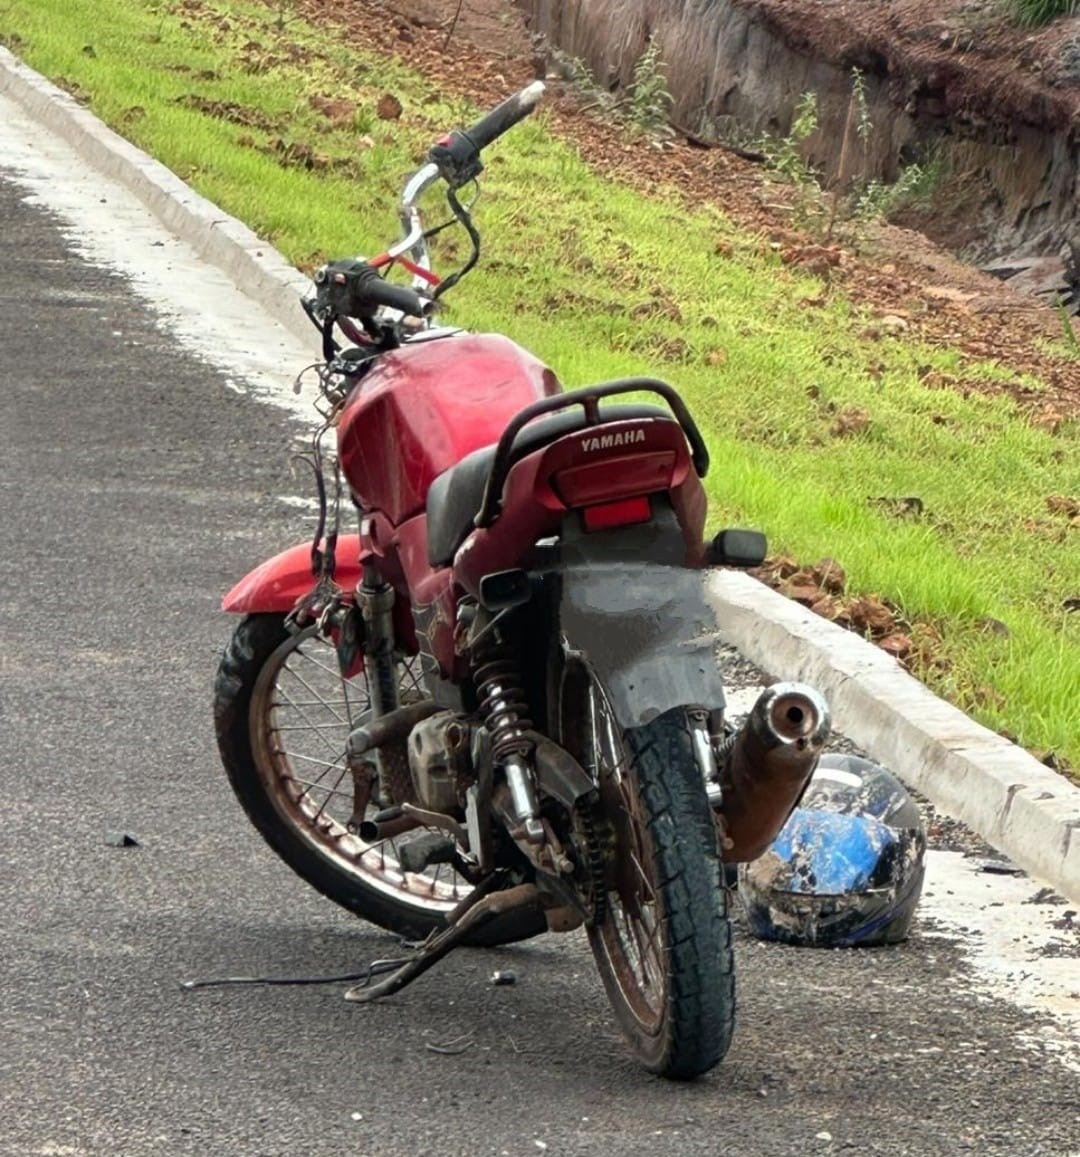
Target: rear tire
663	947
283	713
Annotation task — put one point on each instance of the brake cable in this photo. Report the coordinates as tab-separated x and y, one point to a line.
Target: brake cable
461	214
375	968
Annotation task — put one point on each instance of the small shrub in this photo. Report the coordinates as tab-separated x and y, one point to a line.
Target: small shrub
649	104
914	186
645	106
784	154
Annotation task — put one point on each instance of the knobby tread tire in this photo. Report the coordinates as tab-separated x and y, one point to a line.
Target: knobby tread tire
253	642
699	1014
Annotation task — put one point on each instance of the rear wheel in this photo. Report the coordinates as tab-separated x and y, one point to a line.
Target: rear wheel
283	713
663	944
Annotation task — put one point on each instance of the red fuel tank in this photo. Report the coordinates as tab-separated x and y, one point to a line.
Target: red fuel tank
424	406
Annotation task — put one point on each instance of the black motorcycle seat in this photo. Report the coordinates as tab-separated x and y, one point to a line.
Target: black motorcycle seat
454	498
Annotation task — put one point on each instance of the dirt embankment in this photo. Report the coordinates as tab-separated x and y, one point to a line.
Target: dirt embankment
998	107
481	49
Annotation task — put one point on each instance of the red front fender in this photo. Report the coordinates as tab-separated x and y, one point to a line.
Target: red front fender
281	580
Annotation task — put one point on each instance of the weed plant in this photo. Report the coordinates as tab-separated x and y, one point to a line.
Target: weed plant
645	107
1032	13
601	282
915	185
854	196
784	155
649	104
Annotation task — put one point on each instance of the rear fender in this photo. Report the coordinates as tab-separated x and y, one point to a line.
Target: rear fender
639	617
276	584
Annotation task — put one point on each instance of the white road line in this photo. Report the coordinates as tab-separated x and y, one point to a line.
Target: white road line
1020	946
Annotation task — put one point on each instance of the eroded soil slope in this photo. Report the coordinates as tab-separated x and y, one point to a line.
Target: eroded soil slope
482	49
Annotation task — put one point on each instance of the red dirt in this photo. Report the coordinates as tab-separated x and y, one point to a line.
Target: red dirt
481	49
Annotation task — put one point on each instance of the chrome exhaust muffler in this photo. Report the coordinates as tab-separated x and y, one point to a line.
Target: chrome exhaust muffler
764	768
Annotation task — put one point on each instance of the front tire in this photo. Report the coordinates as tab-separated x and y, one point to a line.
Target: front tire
663	947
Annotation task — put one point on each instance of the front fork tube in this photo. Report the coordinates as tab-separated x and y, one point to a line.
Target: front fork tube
706	732
375	598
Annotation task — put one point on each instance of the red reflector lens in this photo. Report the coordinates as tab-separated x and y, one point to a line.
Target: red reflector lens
622	513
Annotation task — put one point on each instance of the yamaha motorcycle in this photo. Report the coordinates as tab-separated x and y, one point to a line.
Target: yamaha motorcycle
494	709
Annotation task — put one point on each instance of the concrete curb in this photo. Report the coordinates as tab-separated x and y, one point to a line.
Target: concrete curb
964	769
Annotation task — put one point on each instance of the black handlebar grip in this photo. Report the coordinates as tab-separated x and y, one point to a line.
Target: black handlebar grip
457	155
400	297
352	288
505	116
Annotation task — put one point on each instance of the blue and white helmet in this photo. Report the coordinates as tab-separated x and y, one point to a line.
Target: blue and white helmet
847	868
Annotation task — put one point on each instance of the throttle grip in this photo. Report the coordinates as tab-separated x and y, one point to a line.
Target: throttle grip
457	155
505	115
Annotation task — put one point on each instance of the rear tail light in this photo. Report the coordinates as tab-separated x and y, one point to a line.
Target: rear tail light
625	512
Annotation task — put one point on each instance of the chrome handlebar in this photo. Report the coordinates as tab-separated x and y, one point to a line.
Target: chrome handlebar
456	154
414	242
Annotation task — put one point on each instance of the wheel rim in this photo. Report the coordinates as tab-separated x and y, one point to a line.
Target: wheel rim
629	942
301	714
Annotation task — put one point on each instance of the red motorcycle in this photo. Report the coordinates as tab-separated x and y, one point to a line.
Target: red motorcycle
497	709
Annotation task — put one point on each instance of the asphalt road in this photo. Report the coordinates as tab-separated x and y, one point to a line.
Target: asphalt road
136	486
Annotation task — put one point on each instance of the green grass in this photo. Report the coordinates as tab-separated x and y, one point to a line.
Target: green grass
602	282
1032	13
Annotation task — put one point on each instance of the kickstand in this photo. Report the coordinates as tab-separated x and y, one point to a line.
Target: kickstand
481	906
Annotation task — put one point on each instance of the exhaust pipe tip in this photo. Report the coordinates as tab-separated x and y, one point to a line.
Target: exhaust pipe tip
767	767
792	715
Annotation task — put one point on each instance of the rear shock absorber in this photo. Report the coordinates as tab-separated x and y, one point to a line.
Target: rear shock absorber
506	716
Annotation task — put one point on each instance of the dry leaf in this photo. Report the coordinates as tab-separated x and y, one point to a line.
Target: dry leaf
897	645
850	420
1059	504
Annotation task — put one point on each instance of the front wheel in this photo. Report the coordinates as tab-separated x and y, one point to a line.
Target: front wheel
663	944
283	712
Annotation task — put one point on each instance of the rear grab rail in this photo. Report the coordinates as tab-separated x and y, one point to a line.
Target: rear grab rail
589	398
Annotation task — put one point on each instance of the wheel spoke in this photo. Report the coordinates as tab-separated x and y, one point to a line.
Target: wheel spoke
317	729
329	704
330	794
334	672
320	787
327	767
307	693
308	727
647	948
646	883
308	687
